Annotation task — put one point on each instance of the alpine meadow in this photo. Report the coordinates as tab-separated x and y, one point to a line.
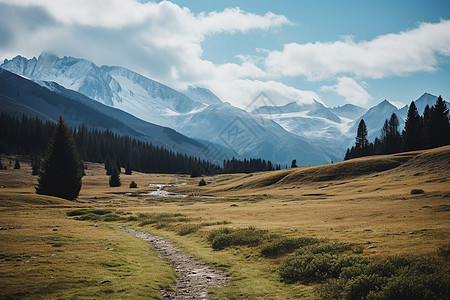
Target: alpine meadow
215	150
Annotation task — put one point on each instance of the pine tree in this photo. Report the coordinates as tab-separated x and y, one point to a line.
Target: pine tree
17	164
108	166
362	143
439	130
35	165
412	135
128	168
118	165
294	163
114	179
390	136
426	126
60	174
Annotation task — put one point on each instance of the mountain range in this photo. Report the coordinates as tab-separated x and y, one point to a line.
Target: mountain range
311	133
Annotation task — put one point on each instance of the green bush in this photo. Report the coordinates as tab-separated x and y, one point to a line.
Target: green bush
226	237
286	245
352	277
325	248
85	211
162	219
111	218
417	191
185	230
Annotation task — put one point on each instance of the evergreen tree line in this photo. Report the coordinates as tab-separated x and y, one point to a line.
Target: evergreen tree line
30	136
421	132
248	165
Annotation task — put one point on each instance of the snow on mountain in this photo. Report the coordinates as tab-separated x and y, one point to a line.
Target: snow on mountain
310	132
114	86
202	95
424	100
375	118
246	136
202	115
313	122
20	96
348	111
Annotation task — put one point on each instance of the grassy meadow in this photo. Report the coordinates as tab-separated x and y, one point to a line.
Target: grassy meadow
255	226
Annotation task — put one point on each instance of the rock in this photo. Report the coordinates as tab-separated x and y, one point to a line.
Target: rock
105	281
233	205
371	247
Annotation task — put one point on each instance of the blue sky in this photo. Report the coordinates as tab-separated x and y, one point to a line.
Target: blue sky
328	21
337	52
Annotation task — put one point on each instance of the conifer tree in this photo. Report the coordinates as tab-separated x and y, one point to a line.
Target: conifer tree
294	163
108	166
1	166
118	165
17	164
128	168
362	143
412	135
390	136
114	179
439	128
61	172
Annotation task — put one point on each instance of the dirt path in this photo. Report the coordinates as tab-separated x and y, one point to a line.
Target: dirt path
194	277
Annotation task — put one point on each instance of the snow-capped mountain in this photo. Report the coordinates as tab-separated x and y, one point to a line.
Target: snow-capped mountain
314	122
311	133
20	96
202	95
200	115
114	86
349	111
375	118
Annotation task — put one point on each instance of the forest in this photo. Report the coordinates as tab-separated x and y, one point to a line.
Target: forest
421	132
30	136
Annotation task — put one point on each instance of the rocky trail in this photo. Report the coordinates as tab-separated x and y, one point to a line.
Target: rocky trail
194	277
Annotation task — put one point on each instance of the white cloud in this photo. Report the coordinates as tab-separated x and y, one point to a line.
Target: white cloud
347	87
387	55
159	40
242	92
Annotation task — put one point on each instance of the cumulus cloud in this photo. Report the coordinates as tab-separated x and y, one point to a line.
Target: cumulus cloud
348	88
387	55
159	40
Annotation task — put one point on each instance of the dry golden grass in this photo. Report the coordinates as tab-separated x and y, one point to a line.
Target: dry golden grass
365	202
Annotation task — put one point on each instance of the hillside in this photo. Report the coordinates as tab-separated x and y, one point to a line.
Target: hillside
363	204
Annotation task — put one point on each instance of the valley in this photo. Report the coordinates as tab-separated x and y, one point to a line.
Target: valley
76	248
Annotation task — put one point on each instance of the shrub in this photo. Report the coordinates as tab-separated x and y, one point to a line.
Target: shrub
111	218
202	182
417	191
185	230
444	251
132	218
226	237
308	268
325	248
133	185
286	245
84	211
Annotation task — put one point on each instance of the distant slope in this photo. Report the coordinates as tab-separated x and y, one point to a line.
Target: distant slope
434	162
22	95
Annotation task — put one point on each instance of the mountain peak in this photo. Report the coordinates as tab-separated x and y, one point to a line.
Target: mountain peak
48	56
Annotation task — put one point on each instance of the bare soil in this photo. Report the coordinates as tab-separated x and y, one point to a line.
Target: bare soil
194	277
